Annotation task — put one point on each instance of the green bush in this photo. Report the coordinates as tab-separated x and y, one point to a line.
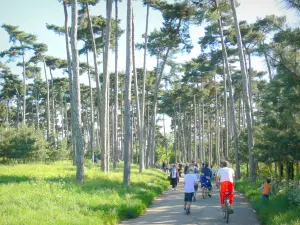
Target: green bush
294	196
23	143
61	152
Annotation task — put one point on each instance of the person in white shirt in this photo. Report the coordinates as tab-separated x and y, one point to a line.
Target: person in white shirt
213	171
174	177
190	180
225	176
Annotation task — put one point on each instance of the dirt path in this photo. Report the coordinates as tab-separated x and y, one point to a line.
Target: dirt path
168	209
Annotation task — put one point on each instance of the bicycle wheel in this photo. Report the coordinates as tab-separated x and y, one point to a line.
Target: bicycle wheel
224	209
227	211
203	193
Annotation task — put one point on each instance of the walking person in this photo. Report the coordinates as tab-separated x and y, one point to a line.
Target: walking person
213	171
174	177
266	190
190	180
179	168
164	167
186	169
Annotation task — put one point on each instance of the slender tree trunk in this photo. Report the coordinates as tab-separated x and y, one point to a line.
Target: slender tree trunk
175	140
137	102
127	139
203	130
66	121
250	88
24	86
47	101
217	128
231	99
70	76
92	119
98	87
77	105
147	129
268	65
195	132
165	141
104	114
153	118
142	130
209	133
7	112
225	112
200	136
246	93
115	130
190	138
62	115
18	109
183	136
122	127
52	104
37	106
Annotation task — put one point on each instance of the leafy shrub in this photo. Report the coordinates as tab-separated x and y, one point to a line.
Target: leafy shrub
294	196
23	143
60	153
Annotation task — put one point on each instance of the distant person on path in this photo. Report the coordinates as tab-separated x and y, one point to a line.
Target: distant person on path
179	168
174	177
186	169
213	171
164	167
202	167
266	190
226	177
95	159
190	180
196	168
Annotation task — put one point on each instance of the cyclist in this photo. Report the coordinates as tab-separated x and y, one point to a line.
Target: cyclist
208	175
190	180
225	176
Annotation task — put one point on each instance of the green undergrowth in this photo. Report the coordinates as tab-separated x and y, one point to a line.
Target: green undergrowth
48	194
277	211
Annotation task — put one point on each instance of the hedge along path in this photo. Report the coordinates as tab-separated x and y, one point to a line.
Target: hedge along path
168	209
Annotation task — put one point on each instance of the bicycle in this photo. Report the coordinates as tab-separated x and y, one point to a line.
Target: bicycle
196	189
226	209
204	191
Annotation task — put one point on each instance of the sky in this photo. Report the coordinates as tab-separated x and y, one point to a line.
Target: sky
32	15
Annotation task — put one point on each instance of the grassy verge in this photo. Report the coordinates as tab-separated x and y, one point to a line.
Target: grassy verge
277	211
47	194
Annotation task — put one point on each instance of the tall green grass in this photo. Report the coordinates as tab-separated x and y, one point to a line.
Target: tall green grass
48	194
276	211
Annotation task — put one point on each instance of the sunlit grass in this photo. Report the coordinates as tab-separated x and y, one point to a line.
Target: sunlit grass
276	211
48	194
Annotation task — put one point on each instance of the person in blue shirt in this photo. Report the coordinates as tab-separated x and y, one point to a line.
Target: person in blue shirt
95	159
208	175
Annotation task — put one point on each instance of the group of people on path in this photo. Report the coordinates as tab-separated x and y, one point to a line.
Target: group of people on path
224	176
224	181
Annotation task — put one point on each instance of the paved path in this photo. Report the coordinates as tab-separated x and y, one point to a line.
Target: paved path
168	209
